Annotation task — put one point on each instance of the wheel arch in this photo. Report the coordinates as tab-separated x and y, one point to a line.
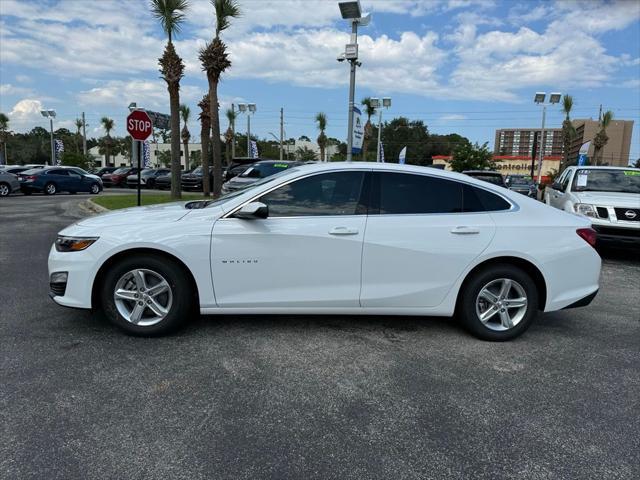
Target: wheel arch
528	267
132	252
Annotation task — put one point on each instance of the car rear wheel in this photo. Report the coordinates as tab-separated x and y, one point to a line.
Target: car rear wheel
498	303
147	295
50	189
95	188
4	190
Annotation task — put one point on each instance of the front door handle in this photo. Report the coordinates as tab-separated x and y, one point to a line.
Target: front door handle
465	230
343	231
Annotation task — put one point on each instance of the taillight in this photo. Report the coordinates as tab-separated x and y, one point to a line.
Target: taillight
588	235
31	177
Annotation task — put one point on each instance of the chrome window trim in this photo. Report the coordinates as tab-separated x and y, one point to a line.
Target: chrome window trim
513	205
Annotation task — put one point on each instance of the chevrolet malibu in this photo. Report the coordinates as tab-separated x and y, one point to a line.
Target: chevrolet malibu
333	238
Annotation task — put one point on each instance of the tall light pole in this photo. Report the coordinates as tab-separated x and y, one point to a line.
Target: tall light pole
352	12
50	114
248	108
539	99
375	103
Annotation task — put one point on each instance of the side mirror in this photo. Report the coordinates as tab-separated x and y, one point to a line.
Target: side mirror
252	211
556	186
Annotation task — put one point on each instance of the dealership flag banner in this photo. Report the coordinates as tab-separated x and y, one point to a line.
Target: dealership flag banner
582	154
358	131
254	149
59	148
402	156
381	152
146	154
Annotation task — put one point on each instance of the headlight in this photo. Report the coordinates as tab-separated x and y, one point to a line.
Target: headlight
73	244
585	209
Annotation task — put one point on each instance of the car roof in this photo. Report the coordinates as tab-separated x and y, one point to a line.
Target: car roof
266	162
484	172
602	167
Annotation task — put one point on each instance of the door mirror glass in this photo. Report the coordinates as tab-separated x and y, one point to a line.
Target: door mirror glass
253	210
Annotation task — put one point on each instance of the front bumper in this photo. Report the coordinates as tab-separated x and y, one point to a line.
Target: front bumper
80	267
617	235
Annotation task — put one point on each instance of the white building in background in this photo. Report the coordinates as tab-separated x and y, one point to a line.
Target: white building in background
122	161
290	150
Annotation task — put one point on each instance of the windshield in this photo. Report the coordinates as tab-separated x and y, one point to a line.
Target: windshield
250	186
262	170
621	181
33	171
495	179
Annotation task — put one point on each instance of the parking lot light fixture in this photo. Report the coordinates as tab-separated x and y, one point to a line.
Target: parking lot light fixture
351	11
539	99
50	114
377	104
249	109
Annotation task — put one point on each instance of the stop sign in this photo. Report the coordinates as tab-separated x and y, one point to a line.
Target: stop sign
139	125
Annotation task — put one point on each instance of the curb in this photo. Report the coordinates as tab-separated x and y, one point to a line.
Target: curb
92	208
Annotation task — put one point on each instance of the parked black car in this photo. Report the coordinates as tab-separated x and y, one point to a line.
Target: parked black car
193	180
255	172
147	177
237	166
163	182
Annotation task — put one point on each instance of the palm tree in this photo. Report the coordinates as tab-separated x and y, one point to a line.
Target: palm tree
185	112
568	130
107	124
171	14
215	61
228	135
368	128
205	131
78	128
601	138
4	126
321	120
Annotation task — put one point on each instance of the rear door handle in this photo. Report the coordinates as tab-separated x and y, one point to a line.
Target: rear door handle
465	230
343	231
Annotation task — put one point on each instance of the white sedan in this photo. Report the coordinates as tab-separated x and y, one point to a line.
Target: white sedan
333	238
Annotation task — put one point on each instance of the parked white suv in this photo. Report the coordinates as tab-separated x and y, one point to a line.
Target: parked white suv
608	196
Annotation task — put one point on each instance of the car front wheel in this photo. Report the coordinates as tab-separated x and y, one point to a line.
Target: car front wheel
498	303
95	188
147	295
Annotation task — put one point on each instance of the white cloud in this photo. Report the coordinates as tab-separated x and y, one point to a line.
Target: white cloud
453	116
149	94
9	89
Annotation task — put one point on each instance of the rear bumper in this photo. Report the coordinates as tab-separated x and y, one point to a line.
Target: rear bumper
583	302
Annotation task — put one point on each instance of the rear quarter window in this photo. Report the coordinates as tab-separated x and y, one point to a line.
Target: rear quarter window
481	200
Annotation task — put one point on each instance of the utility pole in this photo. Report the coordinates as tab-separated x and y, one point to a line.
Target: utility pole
281	132
84	135
233	133
352	88
542	144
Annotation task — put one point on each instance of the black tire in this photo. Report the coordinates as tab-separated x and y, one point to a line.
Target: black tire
27	192
5	189
50	189
150	184
94	189
469	295
181	290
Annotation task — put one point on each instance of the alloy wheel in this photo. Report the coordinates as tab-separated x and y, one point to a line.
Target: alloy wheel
94	188
4	190
51	189
501	304
143	297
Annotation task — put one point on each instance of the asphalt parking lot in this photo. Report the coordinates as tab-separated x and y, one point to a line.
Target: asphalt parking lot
308	397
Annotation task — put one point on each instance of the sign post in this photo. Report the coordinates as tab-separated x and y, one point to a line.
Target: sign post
140	127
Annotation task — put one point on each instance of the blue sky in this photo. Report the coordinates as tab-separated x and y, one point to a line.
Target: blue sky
464	66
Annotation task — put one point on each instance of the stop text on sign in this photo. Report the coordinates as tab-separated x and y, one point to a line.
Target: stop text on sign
140	125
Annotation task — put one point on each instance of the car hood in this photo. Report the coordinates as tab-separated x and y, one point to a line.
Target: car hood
191	176
168	212
610	199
